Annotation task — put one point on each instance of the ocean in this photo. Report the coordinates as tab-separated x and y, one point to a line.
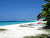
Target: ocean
3	23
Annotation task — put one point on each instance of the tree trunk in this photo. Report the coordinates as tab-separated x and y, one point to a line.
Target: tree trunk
48	17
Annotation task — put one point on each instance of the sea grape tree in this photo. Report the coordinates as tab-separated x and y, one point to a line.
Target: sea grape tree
46	11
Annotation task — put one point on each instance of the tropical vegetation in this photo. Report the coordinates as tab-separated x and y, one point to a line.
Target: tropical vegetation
45	12
39	36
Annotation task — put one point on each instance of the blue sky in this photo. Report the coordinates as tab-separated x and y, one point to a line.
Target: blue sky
17	10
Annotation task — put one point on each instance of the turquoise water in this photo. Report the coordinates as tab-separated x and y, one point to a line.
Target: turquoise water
16	22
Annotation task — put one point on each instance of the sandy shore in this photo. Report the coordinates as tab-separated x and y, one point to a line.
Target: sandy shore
15	31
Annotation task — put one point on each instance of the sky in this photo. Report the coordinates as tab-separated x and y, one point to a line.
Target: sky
19	10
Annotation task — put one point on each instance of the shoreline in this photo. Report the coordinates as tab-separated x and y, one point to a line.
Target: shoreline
14	25
15	31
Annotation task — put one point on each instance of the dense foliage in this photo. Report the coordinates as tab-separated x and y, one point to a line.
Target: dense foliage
46	11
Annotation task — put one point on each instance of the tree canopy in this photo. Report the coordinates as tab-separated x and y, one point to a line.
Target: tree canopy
45	12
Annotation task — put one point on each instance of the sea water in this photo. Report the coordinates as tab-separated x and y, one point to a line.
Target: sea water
13	22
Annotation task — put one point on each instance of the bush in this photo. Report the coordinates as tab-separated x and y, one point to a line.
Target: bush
39	36
3	29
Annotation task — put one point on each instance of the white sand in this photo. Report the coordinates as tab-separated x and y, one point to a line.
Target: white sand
15	31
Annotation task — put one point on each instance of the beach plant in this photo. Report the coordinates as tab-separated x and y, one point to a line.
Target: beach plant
22	26
46	9
29	24
39	36
3	29
45	12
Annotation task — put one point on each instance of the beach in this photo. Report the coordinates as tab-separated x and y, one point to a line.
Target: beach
24	18
15	31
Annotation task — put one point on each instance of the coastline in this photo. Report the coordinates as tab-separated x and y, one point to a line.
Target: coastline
15	25
15	31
